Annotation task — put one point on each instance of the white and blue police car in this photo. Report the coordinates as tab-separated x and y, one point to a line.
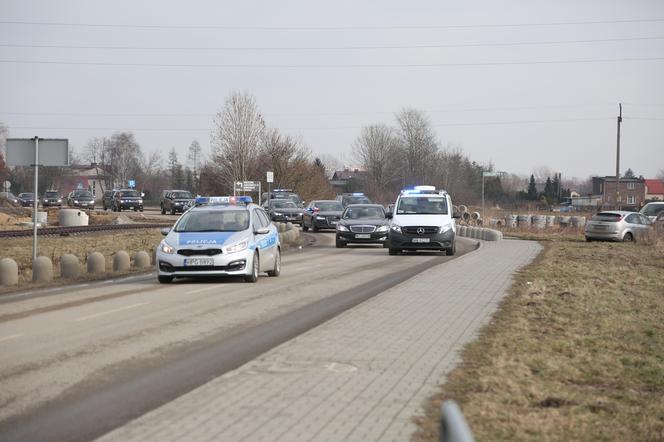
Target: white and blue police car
220	236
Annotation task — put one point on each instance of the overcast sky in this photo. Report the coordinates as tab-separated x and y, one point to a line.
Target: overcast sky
523	84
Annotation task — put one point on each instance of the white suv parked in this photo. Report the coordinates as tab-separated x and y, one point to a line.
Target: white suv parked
422	220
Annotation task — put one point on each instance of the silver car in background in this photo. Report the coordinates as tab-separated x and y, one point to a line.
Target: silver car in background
654	210
615	225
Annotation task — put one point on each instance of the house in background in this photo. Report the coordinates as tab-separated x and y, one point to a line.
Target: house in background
632	191
655	190
88	177
349	180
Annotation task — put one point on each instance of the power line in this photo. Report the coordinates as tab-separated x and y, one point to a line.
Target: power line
326	48
333	66
328	28
171	129
312	114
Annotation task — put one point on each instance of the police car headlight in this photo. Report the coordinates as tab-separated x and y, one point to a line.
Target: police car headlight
396	228
242	245
177	204
342	228
164	247
444	229
382	229
320	218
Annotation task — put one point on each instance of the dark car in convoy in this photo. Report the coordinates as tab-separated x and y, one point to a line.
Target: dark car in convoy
26	199
127	199
52	198
8	196
81	199
107	199
362	224
282	210
322	214
282	194
174	201
353	198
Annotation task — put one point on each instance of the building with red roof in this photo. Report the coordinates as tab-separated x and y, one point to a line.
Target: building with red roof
655	189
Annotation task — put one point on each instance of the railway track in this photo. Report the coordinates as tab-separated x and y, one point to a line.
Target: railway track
64	231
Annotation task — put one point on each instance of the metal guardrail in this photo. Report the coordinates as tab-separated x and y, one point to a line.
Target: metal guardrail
453	426
80	229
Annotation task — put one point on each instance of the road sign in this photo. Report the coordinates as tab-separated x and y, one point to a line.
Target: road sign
131	183
8	186
270	177
250	186
489	173
52	152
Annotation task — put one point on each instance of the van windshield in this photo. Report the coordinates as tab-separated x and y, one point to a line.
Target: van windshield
652	209
430	205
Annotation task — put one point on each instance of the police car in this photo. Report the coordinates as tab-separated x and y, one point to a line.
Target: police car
220	236
422	220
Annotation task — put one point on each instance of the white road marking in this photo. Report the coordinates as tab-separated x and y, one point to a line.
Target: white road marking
108	312
201	290
10	337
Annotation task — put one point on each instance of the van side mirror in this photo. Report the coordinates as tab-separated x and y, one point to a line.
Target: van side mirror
456	215
389	215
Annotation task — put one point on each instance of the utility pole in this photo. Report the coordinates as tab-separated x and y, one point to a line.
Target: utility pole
618	159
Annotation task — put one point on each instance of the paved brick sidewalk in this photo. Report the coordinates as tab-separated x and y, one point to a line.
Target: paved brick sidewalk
361	376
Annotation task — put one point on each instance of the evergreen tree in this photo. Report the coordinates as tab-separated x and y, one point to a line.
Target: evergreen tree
556	188
549	192
532	189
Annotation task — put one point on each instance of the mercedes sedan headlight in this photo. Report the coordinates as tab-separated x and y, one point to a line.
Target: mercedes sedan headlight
396	228
238	247
342	228
166	248
320	218
383	228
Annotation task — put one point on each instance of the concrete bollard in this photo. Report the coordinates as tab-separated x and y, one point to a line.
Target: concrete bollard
141	260
96	263
290	226
42	270
69	266
121	261
461	230
492	235
281	227
8	272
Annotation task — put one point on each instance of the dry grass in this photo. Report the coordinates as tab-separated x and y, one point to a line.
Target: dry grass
576	351
20	249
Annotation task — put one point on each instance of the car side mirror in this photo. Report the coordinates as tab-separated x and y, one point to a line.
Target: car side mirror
389	215
262	231
165	231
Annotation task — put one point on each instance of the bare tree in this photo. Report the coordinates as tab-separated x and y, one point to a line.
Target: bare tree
194	161
377	149
236	136
125	157
3	137
418	145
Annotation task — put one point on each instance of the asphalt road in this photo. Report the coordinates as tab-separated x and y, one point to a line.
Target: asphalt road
78	362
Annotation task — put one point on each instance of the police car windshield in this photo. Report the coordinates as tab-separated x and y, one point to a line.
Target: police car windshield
213	221
364	213
283	204
356	200
186	195
429	205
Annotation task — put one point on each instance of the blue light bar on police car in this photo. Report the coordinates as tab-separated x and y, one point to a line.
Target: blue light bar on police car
357	194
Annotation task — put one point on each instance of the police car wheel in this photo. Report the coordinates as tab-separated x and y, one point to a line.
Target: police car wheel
276	271
165	279
253	276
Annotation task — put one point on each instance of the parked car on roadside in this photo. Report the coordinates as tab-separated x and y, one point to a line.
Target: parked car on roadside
322	214
282	210
362	224
26	199
52	198
8	196
127	199
653	210
81	199
174	201
617	225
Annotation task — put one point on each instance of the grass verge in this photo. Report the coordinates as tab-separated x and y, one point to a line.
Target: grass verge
576	351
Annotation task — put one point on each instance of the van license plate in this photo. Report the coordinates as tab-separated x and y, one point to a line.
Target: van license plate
362	236
420	239
190	262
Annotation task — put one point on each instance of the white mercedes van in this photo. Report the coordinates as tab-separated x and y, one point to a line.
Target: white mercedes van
422	220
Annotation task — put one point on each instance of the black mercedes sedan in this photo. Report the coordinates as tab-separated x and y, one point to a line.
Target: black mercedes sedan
362	224
283	210
322	214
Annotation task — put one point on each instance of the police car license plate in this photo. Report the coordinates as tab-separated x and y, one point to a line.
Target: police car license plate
362	236
190	262
420	239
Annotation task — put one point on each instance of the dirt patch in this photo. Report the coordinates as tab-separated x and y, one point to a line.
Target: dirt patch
576	351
